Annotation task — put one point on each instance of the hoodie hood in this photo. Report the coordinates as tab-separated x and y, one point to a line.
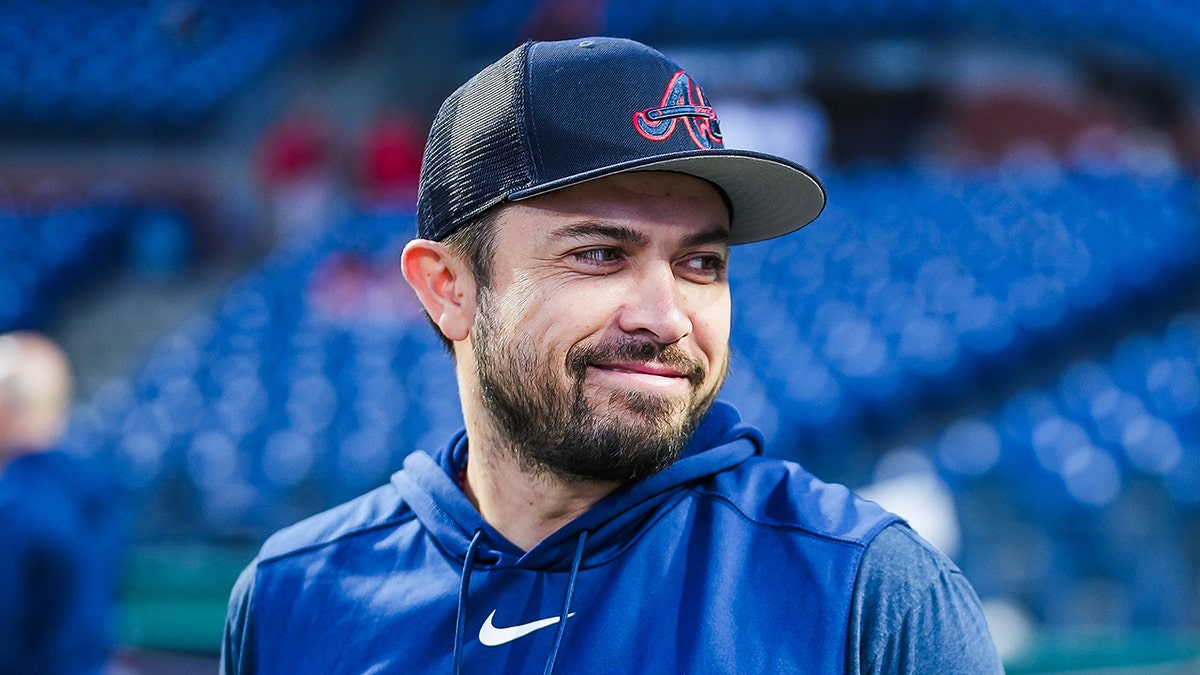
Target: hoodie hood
428	486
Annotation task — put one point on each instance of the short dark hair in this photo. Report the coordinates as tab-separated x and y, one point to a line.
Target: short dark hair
474	243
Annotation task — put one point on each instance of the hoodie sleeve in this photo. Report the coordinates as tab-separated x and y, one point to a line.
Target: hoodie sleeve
237	646
914	612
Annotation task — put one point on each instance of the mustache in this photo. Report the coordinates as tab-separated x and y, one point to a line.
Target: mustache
637	350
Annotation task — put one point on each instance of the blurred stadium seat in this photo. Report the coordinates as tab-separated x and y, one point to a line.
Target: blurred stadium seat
306	386
1162	31
100	63
1100	477
887	307
46	252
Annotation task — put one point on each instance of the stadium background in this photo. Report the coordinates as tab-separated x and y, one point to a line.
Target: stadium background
993	329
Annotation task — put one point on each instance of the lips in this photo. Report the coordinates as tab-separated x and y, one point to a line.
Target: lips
649	378
643	368
637	358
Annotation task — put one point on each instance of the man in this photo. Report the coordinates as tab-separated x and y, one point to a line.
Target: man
61	531
600	513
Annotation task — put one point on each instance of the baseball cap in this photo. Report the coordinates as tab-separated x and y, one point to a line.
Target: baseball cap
553	114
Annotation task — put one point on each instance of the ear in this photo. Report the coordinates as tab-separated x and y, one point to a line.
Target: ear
444	284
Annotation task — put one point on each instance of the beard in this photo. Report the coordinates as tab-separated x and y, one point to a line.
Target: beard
552	426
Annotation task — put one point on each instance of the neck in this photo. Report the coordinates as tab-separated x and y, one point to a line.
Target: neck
524	506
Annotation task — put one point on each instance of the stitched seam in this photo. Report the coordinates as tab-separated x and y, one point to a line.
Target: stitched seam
308	548
778	525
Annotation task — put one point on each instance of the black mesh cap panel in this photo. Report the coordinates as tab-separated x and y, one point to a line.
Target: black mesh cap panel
476	154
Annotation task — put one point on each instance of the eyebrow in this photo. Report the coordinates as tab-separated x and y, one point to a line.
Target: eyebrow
628	235
717	235
624	235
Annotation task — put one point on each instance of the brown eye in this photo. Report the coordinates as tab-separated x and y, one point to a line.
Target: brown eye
707	267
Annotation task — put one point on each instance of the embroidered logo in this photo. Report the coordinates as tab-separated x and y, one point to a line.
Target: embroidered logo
491	635
682	103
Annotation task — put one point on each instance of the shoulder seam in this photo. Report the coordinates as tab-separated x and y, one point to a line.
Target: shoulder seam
782	525
390	522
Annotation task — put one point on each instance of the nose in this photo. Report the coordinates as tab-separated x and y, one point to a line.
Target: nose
655	307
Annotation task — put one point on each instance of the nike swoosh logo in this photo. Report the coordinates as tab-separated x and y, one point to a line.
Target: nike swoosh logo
491	635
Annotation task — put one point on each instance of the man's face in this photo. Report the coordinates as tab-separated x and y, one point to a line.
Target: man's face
604	337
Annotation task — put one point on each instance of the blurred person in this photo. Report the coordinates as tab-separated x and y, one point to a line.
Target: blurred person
391	160
601	512
59	531
297	167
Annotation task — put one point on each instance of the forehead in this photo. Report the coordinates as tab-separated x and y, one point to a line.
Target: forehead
658	201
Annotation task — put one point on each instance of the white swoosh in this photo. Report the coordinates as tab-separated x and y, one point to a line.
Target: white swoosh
492	636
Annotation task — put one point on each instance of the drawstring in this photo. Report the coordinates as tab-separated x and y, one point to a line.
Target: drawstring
461	627
566	610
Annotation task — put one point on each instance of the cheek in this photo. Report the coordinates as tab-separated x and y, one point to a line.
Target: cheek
711	325
553	321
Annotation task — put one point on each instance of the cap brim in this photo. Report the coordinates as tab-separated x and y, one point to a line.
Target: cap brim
770	196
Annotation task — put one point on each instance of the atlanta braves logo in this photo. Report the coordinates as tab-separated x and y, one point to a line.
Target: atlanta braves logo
683	102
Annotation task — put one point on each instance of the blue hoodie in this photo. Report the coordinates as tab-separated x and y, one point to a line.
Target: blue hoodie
61	533
726	562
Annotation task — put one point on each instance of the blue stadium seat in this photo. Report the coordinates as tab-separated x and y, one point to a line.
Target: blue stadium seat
1162	30
93	64
896	305
47	253
1103	474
